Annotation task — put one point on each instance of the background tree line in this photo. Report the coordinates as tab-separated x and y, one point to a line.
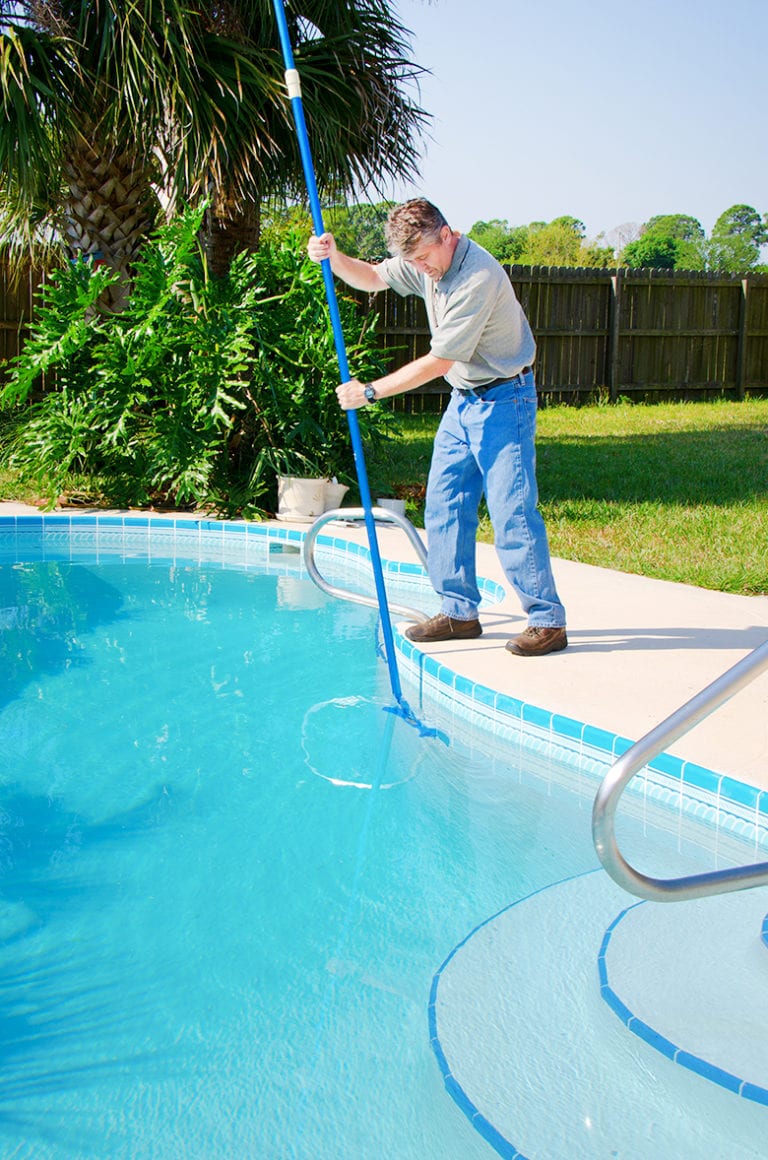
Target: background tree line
666	241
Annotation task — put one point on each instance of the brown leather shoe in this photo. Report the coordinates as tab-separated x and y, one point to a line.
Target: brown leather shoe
537	642
443	627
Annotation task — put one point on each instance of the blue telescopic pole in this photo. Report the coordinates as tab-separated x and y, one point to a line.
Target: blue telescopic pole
294	92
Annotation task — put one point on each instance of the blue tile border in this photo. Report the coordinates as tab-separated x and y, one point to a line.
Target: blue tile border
659	1042
715	799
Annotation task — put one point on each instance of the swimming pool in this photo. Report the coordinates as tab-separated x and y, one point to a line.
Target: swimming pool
232	881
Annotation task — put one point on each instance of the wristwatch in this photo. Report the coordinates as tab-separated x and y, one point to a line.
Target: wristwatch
370	393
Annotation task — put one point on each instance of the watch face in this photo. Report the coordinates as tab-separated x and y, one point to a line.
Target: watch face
370	393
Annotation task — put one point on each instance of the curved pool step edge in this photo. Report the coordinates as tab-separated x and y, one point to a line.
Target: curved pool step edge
487	1011
610	990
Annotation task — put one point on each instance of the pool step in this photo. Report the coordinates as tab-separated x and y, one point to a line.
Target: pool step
540	1064
709	1014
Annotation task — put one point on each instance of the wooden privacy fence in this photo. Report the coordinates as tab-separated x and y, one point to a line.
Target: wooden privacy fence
601	334
16	298
641	334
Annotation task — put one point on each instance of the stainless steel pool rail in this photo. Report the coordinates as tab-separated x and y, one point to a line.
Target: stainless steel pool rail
643	751
380	515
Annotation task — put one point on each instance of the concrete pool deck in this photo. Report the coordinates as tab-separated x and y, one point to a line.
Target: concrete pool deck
638	650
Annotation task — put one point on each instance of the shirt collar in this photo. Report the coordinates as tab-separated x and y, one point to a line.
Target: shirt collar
459	254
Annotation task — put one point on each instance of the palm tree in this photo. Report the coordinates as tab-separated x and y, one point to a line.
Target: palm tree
110	112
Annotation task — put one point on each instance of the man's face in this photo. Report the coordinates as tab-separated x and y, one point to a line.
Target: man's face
433	259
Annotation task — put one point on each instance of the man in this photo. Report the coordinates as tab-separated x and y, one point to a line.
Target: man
482	344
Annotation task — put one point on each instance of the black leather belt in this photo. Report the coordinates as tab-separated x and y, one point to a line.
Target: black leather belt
480	391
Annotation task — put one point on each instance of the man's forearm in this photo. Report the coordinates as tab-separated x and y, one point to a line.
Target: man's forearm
356	273
412	375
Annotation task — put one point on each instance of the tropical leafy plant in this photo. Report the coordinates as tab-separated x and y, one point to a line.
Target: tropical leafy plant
201	392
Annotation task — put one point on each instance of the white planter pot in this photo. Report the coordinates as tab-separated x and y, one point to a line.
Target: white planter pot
334	494
302	500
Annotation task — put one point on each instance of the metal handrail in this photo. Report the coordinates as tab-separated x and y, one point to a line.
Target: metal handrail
643	751
381	515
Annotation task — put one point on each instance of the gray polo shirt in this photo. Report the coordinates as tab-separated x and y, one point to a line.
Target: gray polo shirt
474	315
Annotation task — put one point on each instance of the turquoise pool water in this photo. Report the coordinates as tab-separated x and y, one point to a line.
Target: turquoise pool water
229	875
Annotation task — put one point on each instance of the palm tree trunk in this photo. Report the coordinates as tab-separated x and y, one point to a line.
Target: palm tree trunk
230	228
109	206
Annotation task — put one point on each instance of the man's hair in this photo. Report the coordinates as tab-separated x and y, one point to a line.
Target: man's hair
412	224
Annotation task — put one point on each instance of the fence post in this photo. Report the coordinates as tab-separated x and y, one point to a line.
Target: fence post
741	350
612	374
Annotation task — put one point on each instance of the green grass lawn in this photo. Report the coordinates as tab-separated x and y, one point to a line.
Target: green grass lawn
675	490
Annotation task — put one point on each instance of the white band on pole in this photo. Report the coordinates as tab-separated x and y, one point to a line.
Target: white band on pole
293	82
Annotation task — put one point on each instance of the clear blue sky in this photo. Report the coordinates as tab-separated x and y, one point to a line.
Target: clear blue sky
606	110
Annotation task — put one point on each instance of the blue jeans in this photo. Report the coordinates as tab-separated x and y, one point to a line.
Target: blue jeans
486	444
